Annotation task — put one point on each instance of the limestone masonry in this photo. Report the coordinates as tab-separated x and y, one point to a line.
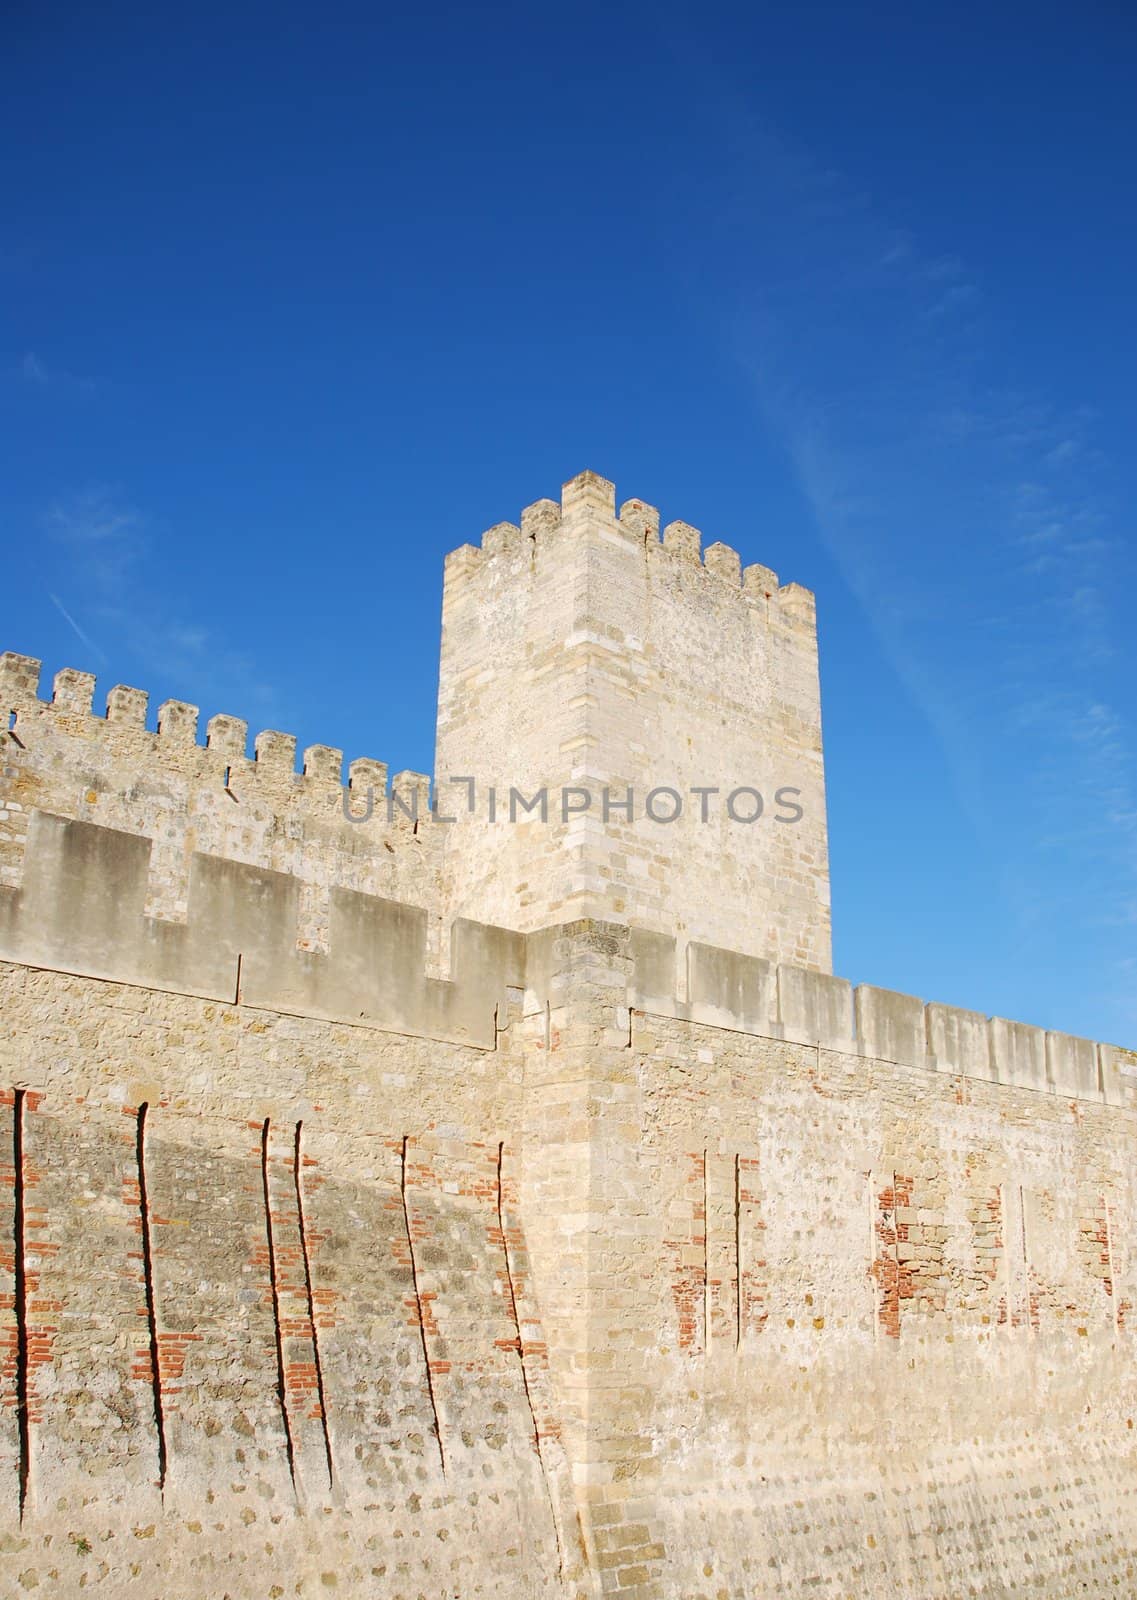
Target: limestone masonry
516	1205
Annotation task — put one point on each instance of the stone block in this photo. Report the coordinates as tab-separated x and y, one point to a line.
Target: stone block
814	1008
891	1026
1018	1054
959	1041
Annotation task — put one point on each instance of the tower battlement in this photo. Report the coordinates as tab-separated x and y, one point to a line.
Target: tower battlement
590	496
584	649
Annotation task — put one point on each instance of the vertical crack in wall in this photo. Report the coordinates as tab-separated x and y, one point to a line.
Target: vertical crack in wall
873	1270
419	1306
275	1286
512	1293
1111	1281
23	1420
1004	1258
1028	1318
737	1252
895	1295
296	1164
148	1284
706	1257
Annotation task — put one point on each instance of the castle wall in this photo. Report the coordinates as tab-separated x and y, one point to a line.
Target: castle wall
148	857
578	650
628	1302
265	1326
267	1311
419	1209
190	800
743	994
893	1326
852	1325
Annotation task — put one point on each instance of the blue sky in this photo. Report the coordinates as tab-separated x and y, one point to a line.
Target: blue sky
294	300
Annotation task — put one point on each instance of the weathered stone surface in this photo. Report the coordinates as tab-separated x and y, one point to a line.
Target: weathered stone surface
593	656
404	1208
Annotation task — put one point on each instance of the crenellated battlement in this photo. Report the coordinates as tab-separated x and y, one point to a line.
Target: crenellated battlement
226	737
582	643
225	749
588	496
213	797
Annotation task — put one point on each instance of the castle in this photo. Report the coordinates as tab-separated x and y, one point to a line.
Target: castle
422	1191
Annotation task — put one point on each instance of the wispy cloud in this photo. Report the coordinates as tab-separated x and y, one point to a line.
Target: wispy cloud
870	359
102	535
34	372
108	582
98	540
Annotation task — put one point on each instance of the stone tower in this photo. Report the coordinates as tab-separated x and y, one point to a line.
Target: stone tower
609	1248
664	705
